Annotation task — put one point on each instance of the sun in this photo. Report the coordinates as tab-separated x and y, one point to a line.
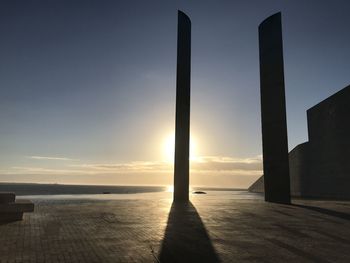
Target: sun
169	147
170	189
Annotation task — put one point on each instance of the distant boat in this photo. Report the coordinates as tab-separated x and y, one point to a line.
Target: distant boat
105	193
199	193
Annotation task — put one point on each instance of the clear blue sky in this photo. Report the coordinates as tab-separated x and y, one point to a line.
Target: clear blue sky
88	87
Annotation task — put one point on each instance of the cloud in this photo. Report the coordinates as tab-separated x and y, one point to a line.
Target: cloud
51	158
213	164
41	170
206	164
127	167
219	171
227	164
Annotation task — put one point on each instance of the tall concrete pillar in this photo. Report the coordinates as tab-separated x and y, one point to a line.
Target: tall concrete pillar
182	122
273	111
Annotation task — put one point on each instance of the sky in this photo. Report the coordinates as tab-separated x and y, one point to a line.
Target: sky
88	87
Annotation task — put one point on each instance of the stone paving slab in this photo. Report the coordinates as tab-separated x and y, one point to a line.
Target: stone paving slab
210	229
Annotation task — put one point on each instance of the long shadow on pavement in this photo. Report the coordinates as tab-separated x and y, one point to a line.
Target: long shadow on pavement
325	211
186	239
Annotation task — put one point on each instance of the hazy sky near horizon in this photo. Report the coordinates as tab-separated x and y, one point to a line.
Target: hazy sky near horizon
88	87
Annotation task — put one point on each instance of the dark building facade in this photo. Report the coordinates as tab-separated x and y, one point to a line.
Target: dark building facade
320	168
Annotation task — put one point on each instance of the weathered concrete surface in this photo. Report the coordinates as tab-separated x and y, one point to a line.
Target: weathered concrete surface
299	169
211	229
329	146
320	167
182	122
273	111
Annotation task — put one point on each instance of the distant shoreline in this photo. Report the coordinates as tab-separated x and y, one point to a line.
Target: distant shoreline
66	189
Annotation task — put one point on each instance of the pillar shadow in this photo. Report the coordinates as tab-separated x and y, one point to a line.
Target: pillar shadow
325	211
186	239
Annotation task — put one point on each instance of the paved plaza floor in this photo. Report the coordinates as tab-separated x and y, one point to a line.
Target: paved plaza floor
211	228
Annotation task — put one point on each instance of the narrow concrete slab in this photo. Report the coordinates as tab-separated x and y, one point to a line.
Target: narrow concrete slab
182	122
273	111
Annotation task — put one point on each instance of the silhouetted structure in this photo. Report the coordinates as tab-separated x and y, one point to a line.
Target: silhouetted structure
320	168
12	209
273	111
182	129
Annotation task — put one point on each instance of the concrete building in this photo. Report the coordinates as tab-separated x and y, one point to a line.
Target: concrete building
320	167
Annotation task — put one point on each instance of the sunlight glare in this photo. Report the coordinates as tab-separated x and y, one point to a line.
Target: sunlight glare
170	189
169	148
